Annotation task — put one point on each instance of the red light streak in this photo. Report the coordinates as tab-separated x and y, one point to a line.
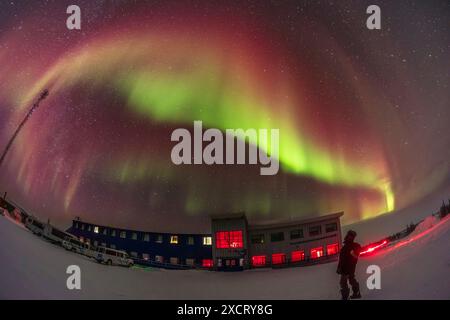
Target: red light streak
372	249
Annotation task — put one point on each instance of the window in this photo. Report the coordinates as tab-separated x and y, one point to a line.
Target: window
230	262
145	256
159	238
146	237
258	261
229	239
207	241
82	227
278	258
174	239
315	231
331	227
222	239
277	236
190	261
257	238
316	253
103	244
134	254
96	243
159	259
110	252
190	240
89	228
113	233
105	231
207	263
134	236
332	249
236	239
298	255
123	234
296	234
76	225
112	246
173	260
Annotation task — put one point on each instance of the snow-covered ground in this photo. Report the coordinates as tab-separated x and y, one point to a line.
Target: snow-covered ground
35	269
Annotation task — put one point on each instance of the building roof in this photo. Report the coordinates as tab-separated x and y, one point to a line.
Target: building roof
237	215
78	220
289	223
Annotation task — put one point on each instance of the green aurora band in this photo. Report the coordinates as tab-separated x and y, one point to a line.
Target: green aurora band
183	80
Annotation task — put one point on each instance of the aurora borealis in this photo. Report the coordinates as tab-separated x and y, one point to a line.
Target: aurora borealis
363	115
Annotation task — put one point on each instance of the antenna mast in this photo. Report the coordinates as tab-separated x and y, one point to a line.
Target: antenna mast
42	96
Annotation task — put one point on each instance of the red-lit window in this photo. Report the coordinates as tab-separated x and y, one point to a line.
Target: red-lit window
236	239
222	239
207	263
316	252
297	256
229	239
332	249
278	258
258	261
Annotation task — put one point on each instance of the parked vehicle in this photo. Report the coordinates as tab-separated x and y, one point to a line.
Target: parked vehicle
47	230
77	246
55	235
113	257
35	226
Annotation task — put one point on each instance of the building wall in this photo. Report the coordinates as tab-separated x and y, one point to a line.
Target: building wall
158	247
183	251
230	224
288	245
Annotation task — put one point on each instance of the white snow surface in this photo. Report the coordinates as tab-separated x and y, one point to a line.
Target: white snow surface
35	269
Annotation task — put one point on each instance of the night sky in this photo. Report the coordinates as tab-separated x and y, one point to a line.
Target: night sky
364	115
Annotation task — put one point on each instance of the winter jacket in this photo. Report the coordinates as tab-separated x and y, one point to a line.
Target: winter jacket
347	261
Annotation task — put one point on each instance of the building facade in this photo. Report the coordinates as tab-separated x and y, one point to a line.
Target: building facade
237	245
232	245
166	250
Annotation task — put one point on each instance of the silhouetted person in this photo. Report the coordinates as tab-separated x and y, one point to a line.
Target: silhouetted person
347	266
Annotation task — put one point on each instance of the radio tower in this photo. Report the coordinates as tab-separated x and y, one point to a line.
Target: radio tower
42	96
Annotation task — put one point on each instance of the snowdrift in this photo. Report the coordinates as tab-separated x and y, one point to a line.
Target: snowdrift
35	269
427	223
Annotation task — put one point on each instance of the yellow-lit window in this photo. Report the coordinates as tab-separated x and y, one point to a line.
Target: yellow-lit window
173	239
207	241
96	229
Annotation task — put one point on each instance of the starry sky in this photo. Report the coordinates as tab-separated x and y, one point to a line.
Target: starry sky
363	115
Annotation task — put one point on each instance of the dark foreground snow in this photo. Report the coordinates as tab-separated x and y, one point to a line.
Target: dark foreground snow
34	269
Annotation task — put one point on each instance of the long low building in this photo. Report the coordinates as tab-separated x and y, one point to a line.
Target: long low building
237	245
159	249
232	245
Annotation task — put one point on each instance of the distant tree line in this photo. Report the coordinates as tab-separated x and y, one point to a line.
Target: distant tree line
445	209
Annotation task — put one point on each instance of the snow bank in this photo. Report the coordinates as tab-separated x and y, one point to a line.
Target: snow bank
35	269
427	223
